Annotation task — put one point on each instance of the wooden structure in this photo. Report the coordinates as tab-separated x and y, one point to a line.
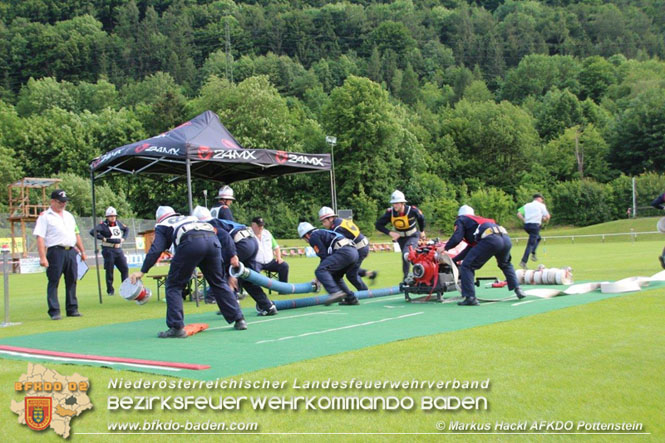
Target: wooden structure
27	199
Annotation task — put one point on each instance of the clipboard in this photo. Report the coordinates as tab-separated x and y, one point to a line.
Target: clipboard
81	266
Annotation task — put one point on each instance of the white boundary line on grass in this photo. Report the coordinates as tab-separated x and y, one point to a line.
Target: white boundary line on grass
325	331
528	301
278	318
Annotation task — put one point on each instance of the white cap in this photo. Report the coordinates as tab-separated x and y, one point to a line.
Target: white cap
163	212
202	213
326	212
304	228
397	197
111	211
465	210
225	193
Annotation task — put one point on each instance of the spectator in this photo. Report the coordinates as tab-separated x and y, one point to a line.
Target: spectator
57	236
269	257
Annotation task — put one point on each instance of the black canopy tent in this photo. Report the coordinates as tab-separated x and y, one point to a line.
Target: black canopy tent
200	148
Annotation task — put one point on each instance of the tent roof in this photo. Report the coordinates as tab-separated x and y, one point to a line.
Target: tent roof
213	154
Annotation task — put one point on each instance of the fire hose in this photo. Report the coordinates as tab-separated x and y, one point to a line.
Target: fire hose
274	285
300	288
320	299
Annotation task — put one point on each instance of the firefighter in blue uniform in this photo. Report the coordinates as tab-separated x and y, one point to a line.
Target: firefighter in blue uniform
408	224
348	229
222	209
246	248
338	254
485	239
112	233
228	250
196	244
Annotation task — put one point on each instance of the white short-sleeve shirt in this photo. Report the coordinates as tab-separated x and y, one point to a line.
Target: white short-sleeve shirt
534	212
56	229
266	246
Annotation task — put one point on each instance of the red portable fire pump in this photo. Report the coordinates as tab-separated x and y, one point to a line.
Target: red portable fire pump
433	272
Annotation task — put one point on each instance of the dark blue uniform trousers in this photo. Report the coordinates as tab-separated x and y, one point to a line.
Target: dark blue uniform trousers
533	229
496	245
202	250
404	243
331	270
61	261
354	273
114	257
282	269
246	250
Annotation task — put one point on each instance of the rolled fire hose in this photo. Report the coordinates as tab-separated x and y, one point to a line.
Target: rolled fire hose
320	299
545	276
274	285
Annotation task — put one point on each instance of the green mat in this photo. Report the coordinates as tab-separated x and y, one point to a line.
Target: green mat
293	335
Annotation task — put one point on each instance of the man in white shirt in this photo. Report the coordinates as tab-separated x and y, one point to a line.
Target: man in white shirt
535	213
267	247
57	242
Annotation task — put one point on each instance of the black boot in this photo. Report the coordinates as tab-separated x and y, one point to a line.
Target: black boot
173	333
469	301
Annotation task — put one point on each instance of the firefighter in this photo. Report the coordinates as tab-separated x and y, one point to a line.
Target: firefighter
112	233
338	254
222	209
485	239
196	244
408	223
330	220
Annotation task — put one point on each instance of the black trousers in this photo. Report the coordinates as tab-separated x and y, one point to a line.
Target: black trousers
204	251
114	257
61	261
247	249
282	269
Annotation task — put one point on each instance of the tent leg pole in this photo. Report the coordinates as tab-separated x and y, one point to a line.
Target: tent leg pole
189	184
94	237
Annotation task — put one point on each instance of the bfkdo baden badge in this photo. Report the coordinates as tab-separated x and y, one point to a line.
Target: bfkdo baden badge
38	412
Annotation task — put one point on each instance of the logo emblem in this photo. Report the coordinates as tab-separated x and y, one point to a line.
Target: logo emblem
281	156
204	153
38	412
141	148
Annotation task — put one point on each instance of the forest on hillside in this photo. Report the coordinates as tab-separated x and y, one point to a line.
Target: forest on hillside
450	101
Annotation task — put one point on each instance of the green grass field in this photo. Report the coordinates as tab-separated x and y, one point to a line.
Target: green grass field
601	362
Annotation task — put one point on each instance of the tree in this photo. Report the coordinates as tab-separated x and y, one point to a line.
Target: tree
639	134
371	144
537	74
496	142
596	76
558	110
580	152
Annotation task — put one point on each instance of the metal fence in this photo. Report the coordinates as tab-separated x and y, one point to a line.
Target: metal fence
134	225
590	238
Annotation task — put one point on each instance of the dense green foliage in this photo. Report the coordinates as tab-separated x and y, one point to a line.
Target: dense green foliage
451	101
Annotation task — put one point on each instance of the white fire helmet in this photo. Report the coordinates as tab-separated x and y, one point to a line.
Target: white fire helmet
163	212
465	210
202	213
111	211
397	197
326	212
304	228
225	193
